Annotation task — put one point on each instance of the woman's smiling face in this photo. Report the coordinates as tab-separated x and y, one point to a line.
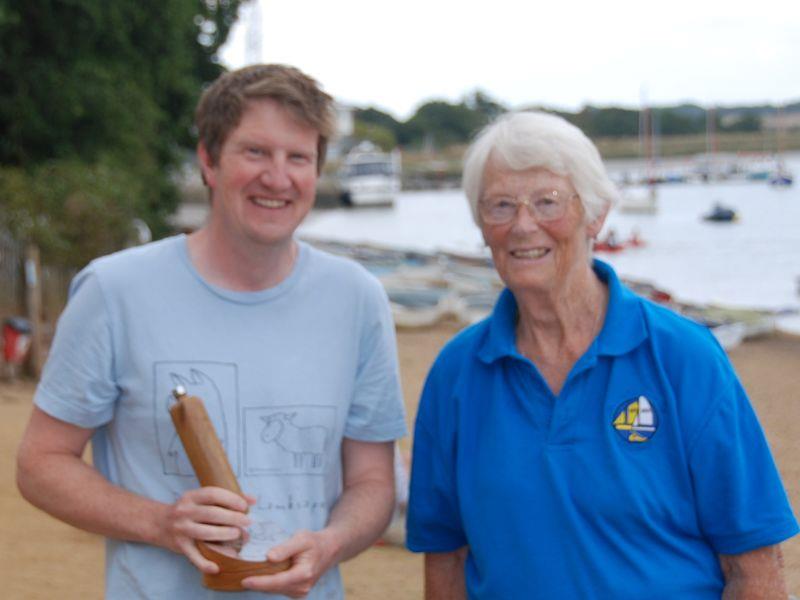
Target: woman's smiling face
531	254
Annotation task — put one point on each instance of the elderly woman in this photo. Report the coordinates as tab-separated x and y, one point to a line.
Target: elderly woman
582	442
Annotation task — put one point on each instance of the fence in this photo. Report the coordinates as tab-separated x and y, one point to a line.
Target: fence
11	284
54	282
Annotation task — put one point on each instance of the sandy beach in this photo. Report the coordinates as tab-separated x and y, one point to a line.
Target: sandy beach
43	558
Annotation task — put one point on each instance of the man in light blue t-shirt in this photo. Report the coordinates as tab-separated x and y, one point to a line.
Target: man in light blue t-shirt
291	349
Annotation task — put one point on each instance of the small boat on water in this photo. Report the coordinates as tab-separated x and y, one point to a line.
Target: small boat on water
780	175
611	244
369	176
721	214
639	202
602	246
781	178
757	176
759	167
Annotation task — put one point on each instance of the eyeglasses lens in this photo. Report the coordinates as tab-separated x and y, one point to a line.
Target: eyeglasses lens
543	207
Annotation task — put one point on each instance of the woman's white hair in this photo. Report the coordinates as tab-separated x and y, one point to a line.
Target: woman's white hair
527	139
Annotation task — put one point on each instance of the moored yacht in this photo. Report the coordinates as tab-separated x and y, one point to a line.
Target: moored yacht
369	176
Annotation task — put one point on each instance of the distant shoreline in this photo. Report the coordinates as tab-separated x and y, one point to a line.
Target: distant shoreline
443	166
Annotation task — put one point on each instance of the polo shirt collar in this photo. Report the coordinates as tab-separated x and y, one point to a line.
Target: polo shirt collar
623	330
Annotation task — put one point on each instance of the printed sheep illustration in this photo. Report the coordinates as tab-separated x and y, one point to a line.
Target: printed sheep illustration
306	444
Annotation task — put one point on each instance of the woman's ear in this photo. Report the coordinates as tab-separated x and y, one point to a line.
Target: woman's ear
483	237
595	225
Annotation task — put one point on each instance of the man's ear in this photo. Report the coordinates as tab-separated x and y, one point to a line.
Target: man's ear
206	166
596	224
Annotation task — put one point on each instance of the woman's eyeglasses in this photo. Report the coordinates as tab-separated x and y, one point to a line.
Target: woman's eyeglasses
543	206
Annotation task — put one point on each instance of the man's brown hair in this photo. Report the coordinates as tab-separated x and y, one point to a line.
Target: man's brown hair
223	102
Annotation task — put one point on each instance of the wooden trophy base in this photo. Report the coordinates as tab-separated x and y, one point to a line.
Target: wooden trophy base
232	570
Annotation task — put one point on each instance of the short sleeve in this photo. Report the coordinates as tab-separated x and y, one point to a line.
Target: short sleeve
78	384
741	502
376	411
434	519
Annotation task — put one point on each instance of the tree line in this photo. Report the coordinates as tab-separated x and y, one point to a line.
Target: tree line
438	123
96	112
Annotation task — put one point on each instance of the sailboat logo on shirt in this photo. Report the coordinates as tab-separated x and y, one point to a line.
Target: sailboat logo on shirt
636	420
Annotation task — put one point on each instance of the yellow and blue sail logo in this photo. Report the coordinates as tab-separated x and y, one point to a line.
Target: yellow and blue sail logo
636	420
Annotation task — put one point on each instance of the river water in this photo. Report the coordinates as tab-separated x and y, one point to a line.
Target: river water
754	262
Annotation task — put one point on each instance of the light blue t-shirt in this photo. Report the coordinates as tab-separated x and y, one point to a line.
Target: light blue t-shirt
285	374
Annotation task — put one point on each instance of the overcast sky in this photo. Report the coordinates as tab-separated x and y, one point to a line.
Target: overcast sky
562	53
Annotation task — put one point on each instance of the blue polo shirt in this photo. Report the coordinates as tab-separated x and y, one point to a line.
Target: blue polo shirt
648	464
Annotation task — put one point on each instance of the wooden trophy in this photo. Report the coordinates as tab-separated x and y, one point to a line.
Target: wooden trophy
210	464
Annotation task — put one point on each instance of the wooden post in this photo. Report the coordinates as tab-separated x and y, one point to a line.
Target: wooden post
33	306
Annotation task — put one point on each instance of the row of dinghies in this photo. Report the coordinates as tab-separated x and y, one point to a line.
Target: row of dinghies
427	288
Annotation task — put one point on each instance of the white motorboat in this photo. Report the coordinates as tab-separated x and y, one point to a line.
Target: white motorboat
369	176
